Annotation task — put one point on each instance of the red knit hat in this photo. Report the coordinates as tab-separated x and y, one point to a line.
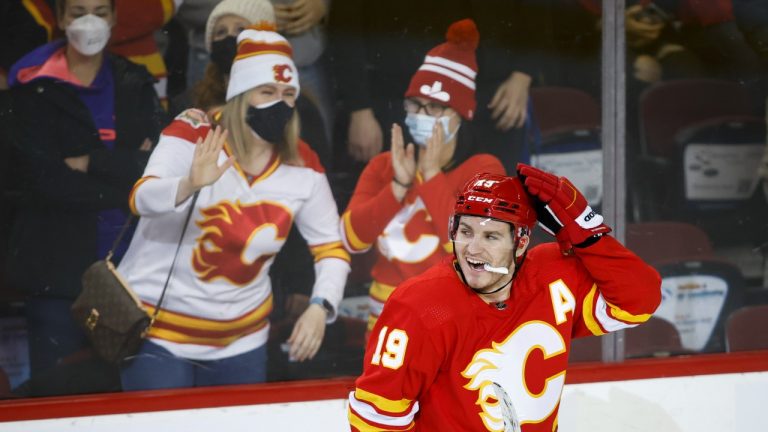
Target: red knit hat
448	73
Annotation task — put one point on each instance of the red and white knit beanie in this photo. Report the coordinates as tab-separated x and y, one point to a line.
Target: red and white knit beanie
263	57
449	70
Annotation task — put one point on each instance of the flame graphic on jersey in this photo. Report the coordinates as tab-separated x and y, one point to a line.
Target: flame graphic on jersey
227	240
481	373
503	380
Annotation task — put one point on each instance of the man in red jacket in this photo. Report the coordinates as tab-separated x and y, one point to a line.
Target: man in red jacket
480	341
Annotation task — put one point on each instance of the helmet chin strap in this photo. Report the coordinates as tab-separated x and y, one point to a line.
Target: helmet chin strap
477	290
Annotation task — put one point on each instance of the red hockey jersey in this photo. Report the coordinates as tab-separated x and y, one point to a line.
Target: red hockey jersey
441	359
411	236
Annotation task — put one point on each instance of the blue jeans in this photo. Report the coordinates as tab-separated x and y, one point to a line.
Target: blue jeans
154	367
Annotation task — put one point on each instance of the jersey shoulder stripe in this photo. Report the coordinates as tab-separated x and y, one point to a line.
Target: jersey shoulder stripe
190	125
310	157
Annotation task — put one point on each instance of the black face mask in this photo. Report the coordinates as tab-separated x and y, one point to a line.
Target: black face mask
223	53
269	122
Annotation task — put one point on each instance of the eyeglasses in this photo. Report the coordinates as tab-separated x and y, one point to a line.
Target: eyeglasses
431	108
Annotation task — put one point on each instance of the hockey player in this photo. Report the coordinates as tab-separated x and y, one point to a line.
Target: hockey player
253	183
480	342
404	197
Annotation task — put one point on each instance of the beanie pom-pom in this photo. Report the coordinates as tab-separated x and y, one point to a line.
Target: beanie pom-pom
464	34
263	26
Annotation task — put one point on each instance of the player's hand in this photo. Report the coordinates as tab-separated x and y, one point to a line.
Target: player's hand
566	213
308	332
365	136
510	102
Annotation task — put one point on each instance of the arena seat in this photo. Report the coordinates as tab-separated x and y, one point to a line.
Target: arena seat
668	241
569	144
666	109
746	329
714	174
655	338
563	108
670	106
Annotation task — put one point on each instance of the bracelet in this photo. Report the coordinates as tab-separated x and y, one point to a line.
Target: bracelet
398	182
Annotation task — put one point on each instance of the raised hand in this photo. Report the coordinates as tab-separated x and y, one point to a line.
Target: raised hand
572	219
429	157
205	166
403	163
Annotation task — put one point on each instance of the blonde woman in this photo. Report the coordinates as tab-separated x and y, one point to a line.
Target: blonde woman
252	183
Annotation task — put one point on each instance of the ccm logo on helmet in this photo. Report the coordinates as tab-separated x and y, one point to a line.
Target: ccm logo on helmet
479	199
589	216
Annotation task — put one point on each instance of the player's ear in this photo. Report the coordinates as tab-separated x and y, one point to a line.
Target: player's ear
522	245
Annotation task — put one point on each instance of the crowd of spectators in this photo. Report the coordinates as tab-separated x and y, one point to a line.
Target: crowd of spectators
78	125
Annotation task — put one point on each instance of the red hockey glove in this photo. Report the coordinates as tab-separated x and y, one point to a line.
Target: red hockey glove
568	215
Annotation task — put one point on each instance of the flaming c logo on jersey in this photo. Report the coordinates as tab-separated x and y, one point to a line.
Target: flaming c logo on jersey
283	73
507	389
238	239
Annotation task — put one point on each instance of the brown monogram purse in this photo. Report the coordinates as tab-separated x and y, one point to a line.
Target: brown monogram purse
110	312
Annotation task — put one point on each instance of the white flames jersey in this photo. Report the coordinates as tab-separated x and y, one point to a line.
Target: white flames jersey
219	297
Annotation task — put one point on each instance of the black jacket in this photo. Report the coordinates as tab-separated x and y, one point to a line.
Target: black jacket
54	236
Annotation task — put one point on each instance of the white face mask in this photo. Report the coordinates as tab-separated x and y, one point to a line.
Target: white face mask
88	34
420	126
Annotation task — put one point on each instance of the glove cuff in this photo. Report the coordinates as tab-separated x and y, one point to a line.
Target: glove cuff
589	242
577	235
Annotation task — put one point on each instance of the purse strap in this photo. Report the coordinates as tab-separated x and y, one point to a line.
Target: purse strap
119	237
175	255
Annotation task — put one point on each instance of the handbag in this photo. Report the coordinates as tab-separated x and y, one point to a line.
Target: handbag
111	314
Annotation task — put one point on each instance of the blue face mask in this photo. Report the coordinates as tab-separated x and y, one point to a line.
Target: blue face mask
420	126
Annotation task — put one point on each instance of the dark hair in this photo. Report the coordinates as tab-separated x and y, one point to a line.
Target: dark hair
211	90
62	4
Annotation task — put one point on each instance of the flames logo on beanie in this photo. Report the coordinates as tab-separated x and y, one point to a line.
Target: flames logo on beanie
263	57
449	70
283	73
